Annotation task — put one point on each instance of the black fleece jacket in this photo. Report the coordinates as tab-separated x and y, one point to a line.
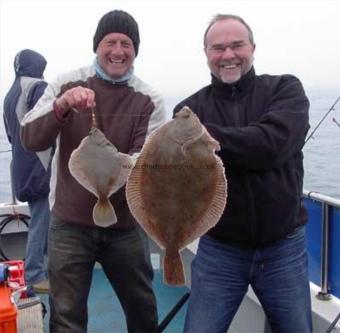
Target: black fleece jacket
261	123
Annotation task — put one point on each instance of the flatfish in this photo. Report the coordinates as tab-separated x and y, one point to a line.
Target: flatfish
177	190
98	166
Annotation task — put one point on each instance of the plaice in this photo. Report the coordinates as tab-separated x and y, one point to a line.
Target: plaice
177	190
98	166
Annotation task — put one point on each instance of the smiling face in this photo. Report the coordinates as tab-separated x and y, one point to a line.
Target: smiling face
116	54
229	52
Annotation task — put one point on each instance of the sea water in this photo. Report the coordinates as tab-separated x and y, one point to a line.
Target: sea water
322	152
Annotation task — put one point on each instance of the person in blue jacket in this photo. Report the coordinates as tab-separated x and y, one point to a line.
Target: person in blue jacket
260	122
30	171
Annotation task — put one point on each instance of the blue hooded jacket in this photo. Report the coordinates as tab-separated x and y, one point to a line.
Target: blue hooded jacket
30	171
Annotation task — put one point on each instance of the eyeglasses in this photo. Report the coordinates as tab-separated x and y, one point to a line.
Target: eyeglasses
235	47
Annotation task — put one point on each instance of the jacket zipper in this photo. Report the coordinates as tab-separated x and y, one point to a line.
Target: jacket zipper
251	209
233	91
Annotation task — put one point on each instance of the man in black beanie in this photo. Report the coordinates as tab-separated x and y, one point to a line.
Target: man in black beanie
127	110
117	21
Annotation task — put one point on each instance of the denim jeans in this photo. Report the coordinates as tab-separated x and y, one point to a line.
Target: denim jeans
125	259
36	247
278	274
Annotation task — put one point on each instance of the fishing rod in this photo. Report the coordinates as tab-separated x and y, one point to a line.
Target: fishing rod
323	118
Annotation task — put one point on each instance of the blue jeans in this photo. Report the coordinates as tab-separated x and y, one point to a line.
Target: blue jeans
278	274
36	247
125	258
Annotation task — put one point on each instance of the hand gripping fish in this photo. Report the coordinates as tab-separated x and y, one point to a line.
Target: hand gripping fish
98	166
177	190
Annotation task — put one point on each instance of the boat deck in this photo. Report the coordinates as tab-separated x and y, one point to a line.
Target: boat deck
106	314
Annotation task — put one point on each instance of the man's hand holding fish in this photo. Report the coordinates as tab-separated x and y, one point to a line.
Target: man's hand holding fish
77	98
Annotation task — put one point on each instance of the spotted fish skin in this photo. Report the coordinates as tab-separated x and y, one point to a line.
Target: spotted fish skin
177	190
98	166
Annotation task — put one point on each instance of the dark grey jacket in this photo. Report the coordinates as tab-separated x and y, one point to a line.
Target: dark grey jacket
261	123
30	171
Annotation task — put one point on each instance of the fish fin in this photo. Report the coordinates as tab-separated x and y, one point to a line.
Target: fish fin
216	208
103	213
173	268
126	163
136	205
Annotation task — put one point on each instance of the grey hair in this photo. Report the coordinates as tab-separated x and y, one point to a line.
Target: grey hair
223	17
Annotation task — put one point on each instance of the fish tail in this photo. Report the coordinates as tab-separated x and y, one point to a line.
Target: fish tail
173	268
103	213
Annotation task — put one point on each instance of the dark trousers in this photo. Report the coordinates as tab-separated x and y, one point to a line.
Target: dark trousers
125	258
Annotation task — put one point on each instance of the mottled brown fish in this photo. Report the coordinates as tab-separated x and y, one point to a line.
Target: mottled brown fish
177	190
98	166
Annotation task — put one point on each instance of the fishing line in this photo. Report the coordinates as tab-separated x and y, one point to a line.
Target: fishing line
94	123
323	118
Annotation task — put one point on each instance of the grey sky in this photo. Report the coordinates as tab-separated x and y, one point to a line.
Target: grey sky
299	37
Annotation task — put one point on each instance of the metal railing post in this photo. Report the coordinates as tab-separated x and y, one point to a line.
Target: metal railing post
14	200
323	293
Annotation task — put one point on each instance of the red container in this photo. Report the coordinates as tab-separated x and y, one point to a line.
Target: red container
8	311
17	275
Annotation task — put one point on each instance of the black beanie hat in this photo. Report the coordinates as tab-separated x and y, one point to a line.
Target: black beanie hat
117	21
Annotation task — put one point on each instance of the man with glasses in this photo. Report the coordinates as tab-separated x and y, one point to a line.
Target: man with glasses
261	122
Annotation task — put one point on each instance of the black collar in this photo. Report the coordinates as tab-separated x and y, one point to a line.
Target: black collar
236	89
